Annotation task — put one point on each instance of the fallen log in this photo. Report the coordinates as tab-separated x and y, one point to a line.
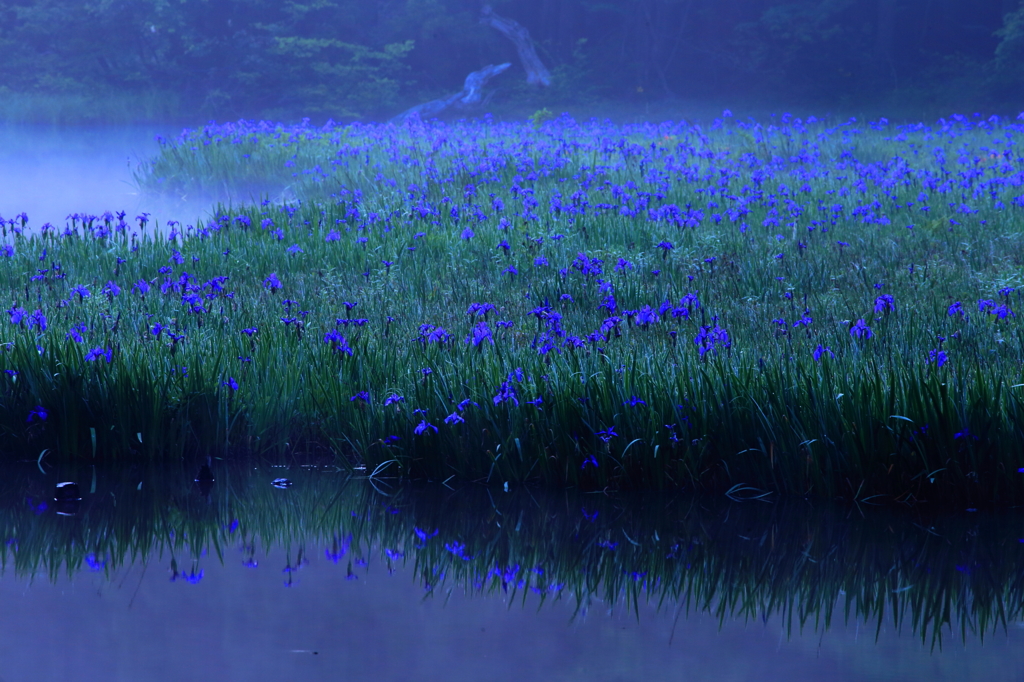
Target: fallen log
471	93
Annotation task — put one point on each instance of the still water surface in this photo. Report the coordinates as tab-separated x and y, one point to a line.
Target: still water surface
240	623
336	578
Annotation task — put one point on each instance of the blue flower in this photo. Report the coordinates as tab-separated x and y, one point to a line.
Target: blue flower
98	353
337	342
424	427
480	309
860	330
230	383
481	333
272	283
506	392
17	314
37	319
39	413
75	333
646	316
821	351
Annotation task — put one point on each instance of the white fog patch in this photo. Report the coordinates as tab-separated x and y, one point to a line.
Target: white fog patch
51	173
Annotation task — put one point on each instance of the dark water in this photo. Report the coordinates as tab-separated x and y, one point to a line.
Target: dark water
154	577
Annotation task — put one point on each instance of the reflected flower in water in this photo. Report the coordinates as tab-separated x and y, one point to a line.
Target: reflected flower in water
458	549
338	549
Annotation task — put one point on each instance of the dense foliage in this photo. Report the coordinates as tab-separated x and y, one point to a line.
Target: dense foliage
810	307
347	58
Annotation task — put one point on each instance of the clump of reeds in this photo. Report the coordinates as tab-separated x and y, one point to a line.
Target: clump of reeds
740	307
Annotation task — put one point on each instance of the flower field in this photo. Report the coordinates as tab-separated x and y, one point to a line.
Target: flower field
814	308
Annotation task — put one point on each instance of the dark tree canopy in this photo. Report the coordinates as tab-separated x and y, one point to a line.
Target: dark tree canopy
361	59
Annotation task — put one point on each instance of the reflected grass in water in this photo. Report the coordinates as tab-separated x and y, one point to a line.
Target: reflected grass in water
810	566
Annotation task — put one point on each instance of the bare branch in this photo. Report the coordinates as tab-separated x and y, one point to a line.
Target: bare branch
536	72
470	94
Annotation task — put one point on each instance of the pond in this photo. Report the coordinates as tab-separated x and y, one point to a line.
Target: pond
154	576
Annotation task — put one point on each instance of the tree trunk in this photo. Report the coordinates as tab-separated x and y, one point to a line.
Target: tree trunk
536	72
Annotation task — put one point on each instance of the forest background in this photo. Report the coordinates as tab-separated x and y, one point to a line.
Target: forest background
119	61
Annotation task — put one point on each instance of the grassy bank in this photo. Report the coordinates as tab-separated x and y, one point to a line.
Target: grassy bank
805	307
938	576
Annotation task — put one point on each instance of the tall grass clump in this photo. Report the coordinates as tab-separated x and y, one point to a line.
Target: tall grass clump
805	307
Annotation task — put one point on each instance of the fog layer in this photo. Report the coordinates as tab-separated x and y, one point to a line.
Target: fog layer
51	173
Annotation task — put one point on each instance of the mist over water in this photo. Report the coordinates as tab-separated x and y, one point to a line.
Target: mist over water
50	173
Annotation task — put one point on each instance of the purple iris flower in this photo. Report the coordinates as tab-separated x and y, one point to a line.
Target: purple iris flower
99	353
884	303
861	331
39	413
272	283
481	333
337	342
821	351
424	427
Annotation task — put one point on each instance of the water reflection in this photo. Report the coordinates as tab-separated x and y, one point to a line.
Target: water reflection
159	580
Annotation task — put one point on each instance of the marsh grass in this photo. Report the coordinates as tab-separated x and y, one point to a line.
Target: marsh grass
680	306
934	575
